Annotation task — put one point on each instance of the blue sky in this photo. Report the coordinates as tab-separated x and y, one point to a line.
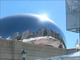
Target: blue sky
55	10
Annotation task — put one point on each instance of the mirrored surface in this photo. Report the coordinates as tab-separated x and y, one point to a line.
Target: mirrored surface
32	29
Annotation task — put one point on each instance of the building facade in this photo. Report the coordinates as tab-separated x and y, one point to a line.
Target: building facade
12	49
73	15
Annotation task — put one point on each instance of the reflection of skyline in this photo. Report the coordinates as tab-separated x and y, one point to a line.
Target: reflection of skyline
47	37
41	37
46	32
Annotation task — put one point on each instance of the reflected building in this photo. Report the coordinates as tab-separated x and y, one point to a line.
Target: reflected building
25	34
31	28
39	32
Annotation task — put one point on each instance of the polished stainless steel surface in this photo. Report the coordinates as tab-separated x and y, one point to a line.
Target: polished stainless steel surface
32	28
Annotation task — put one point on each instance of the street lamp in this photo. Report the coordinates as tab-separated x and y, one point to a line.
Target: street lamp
23	55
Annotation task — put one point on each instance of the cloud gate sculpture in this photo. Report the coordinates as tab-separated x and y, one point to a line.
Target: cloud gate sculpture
31	28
